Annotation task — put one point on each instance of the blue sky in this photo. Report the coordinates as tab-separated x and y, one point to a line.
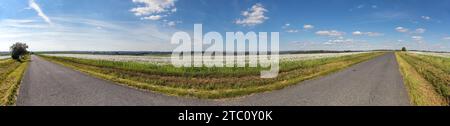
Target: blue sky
147	25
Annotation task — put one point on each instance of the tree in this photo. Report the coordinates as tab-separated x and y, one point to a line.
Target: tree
18	50
404	49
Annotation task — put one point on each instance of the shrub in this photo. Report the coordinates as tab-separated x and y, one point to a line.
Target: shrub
18	50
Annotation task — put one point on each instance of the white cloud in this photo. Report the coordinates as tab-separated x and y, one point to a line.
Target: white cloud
286	26
417	38
339	41
363	6
420	31
332	33
13	23
33	5
153	7
401	29
289	30
426	17
253	16
173	10
374	34
292	31
371	34
153	17
446	38
357	33
308	26
171	23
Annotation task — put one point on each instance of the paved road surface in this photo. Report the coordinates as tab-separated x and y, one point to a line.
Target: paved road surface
46	83
375	82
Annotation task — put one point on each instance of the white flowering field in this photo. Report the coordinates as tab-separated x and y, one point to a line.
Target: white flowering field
446	55
167	59
4	57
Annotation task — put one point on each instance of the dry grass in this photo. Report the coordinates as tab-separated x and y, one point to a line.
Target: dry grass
11	73
420	91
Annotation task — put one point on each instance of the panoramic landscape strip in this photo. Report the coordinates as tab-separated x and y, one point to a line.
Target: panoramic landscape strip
224	53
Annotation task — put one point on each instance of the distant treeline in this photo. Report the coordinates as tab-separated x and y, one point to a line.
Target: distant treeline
430	51
317	51
4	53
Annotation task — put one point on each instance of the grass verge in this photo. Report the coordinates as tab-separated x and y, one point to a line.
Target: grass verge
11	73
210	83
427	77
420	91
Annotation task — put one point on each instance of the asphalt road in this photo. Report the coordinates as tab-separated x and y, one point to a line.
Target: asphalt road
374	82
50	84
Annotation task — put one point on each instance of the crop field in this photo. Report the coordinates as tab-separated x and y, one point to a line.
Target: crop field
446	55
427	76
11	72
126	58
205	82
4	57
165	59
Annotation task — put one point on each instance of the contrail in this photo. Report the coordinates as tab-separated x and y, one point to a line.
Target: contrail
38	9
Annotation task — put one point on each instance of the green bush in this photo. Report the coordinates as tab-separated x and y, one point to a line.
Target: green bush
18	50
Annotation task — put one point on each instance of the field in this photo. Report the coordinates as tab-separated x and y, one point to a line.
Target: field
126	58
11	72
4	57
446	55
205	82
427	77
165	59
